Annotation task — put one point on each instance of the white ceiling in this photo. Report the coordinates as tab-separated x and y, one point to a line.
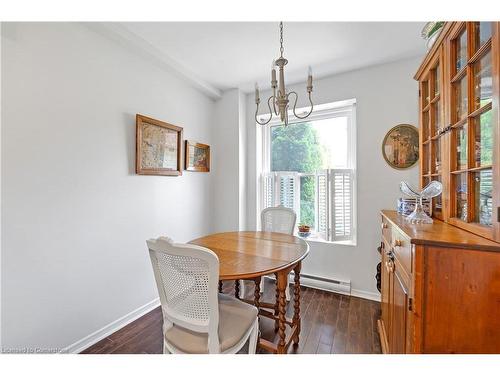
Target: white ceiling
236	54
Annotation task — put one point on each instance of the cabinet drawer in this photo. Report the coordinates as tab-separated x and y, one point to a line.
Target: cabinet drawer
402	249
386	230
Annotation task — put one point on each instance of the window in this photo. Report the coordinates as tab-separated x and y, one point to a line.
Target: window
309	167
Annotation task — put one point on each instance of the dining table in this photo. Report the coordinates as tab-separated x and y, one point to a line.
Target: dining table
251	255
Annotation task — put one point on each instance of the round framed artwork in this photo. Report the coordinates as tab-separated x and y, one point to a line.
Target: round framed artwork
400	146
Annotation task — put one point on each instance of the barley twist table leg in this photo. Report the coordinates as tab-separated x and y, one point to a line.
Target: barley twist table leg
281	282
237	289
220	286
296	302
256	294
276	303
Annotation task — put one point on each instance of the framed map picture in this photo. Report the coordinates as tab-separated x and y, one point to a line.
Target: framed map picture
158	147
400	146
197	157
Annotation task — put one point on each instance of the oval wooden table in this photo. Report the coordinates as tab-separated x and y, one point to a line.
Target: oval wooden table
251	255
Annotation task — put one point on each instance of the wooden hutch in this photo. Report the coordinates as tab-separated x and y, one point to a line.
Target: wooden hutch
440	282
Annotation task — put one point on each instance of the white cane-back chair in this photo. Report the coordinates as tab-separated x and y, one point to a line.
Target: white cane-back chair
276	219
196	318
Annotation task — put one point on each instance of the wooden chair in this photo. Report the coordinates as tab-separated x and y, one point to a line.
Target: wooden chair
196	319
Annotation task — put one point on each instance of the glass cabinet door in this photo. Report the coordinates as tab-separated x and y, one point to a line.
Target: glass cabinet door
425	131
471	142
480	119
436	130
432	127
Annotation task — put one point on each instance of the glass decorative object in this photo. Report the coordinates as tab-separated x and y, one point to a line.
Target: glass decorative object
418	216
407	205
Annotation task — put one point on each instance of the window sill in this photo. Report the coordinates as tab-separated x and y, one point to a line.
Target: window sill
313	238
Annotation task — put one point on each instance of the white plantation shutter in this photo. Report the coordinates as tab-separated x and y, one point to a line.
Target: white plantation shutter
341	192
267	190
281	188
321	202
289	194
334	200
288	190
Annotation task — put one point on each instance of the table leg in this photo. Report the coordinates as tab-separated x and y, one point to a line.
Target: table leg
276	303
237	289
282	281
220	286
256	294
296	302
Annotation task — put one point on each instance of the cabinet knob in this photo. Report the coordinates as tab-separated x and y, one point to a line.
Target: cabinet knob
398	243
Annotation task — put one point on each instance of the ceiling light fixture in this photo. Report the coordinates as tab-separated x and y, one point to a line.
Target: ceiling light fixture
280	99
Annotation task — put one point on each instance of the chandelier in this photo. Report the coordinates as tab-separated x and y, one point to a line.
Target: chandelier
278	103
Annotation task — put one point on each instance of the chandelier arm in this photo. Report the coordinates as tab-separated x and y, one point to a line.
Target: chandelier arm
274	102
295	105
270	113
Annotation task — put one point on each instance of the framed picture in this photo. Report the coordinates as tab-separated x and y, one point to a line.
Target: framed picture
158	147
197	157
400	146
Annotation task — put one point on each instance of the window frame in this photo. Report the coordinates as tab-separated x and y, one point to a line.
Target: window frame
344	108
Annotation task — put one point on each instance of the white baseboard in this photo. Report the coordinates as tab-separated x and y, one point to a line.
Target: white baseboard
112	327
366	295
335	286
332	288
354	292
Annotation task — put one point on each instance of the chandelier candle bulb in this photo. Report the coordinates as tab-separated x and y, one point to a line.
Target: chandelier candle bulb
257	98
309	77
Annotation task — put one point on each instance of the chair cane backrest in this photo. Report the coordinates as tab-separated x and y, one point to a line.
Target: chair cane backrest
278	219
187	278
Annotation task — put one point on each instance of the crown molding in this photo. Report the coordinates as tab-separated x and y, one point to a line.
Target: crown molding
128	39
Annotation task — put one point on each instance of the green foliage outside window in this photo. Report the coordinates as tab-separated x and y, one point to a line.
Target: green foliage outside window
296	148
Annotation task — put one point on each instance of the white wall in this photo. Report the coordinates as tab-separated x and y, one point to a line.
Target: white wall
229	156
75	216
242	152
386	95
225	169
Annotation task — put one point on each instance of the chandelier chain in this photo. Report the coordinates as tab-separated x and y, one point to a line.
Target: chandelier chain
281	38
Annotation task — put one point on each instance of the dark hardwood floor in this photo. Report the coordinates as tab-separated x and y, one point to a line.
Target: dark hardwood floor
331	323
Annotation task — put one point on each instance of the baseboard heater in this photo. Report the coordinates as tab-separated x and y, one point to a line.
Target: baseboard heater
323	283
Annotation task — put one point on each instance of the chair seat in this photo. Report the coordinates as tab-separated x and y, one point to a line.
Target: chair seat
235	319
